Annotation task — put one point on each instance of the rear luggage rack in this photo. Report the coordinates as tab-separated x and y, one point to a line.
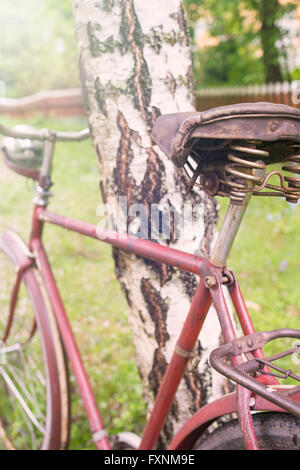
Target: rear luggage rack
250	373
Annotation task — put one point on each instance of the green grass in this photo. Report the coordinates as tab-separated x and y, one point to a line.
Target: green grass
265	257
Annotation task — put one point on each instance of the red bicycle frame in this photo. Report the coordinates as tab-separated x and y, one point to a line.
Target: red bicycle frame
212	276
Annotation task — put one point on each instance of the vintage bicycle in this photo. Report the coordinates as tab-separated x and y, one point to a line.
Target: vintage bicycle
225	152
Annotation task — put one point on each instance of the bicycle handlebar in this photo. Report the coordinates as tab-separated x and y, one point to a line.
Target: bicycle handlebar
46	135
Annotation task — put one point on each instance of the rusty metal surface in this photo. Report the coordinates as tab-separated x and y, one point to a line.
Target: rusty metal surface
245	418
245	345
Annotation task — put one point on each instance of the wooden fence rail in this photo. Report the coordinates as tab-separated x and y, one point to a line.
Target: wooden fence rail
70	102
285	93
51	102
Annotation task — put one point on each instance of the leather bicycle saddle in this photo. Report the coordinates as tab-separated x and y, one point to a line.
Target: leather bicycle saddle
180	133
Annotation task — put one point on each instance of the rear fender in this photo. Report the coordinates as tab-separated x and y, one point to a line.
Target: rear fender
192	430
17	250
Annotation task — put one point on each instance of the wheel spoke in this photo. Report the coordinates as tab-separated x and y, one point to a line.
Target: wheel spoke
26	392
39	376
20	399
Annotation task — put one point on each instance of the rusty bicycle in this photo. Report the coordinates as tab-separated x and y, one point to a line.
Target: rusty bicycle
225	152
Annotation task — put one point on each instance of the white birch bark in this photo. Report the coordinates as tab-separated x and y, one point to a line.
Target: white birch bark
135	64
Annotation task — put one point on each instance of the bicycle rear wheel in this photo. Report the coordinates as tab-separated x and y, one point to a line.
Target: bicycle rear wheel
34	399
275	431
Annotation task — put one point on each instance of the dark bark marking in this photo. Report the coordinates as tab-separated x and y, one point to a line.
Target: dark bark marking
97	47
100	97
173	223
93	41
155	113
154	38
199	386
191	85
101	183
84	81
170	83
103	192
157	37
164	271
152	192
152	186
189	281
123	180
183	24
121	262
158	309
108	5
127	293
142	317
158	370
140	84
98	151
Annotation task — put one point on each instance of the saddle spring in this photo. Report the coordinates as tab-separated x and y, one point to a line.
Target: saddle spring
293	166
242	170
240	177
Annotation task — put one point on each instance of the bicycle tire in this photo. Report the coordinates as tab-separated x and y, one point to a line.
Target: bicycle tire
275	431
54	434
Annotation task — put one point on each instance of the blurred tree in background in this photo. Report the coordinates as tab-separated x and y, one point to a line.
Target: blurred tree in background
240	42
37	46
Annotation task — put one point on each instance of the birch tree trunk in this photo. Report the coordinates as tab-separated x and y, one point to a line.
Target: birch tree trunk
135	64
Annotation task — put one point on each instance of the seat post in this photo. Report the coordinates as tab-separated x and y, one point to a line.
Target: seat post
228	232
231	224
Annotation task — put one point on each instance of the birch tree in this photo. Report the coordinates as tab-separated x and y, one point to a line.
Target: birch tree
135	64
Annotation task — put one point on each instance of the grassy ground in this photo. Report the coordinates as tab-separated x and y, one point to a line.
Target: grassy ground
266	257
